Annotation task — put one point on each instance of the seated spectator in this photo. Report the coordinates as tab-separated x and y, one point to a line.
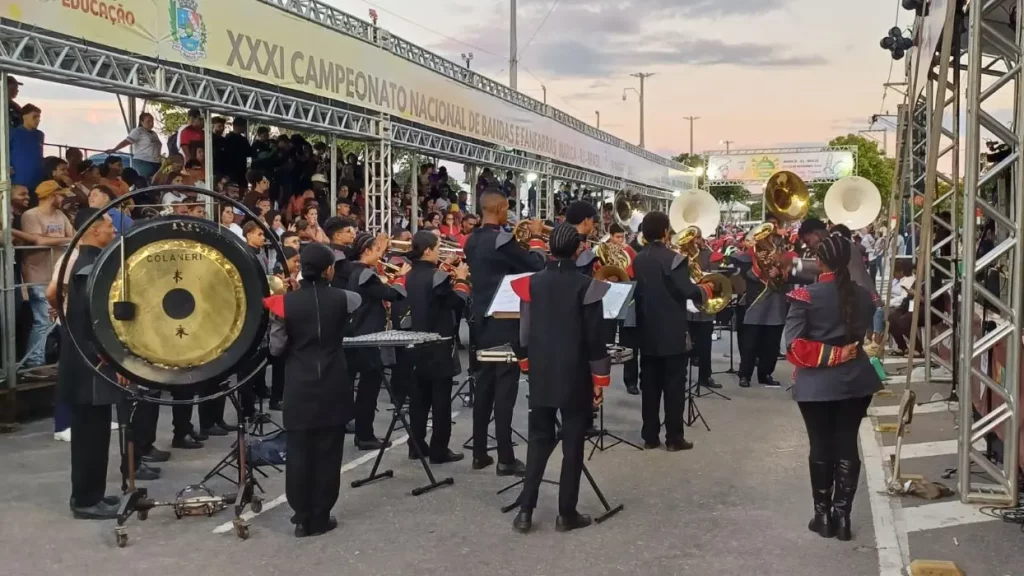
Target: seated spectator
900	313
173	165
311	214
74	158
194	170
344	207
297	203
227	220
110	175
99	197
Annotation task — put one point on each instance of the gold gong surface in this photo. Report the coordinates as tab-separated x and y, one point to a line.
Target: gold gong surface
190	303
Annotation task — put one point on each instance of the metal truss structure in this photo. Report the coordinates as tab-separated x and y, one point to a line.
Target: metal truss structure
377	176
343	23
41	55
991	33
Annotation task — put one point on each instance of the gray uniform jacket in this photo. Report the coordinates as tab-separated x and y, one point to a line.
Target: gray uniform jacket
858	272
705	264
814	315
766	306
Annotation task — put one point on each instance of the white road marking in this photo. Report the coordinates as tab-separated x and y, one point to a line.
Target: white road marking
892	549
894	409
271	504
942	515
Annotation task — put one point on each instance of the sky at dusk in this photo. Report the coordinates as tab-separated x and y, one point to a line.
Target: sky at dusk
760	73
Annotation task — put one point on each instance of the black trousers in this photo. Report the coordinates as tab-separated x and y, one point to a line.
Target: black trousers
90	451
832	428
313	475
367	365
700	335
497	388
212	411
431	395
544	436
181	414
662	375
276	378
741	330
131	431
760	346
147	415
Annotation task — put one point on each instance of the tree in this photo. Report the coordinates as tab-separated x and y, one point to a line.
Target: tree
171	118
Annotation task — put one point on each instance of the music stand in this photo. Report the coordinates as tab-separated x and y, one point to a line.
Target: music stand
733	305
394	339
691	394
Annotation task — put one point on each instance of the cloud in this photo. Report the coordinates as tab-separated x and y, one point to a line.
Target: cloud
640	9
570	57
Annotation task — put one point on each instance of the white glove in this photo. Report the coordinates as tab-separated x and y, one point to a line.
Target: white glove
691	307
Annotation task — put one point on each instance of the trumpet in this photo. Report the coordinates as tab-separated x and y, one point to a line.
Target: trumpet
686	242
522	233
451	267
388	272
446	248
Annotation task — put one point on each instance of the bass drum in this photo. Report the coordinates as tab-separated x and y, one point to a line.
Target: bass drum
188	307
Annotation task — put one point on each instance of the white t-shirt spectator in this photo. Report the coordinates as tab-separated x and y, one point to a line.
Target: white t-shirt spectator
146	144
237	230
172	197
868	242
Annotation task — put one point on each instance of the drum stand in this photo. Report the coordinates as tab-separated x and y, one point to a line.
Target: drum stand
609	511
597	441
136	500
399	414
466	391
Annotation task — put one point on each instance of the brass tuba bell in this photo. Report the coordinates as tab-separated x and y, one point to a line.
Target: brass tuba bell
625	211
787	197
686	242
854	201
614	263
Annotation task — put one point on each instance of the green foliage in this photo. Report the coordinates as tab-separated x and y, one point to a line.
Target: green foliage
170	118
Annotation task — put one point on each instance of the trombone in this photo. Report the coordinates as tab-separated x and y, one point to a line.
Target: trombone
447	248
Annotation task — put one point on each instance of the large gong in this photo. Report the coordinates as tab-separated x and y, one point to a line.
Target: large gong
186	308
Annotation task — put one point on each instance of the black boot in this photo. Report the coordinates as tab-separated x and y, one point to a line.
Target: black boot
821	489
846	476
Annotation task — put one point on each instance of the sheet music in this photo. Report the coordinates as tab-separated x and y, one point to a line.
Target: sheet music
615	299
505	303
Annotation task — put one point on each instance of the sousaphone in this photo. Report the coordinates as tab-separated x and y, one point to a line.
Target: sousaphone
787	197
695	208
854	201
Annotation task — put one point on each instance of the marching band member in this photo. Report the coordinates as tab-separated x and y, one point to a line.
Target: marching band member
812	232
88	394
371	317
307	329
663	288
834	380
702	326
583	217
560	338
342	233
763	319
492	254
433	301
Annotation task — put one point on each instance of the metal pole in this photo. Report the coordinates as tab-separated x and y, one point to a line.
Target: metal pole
133	116
598	112
513	49
333	178
641	110
414	169
545	89
10	356
691	119
208	164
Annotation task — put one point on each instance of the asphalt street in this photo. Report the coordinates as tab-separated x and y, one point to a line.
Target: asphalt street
737	504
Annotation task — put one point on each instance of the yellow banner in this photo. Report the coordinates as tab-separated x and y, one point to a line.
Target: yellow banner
130	25
273	46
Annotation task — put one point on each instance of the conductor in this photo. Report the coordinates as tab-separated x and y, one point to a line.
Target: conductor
663	287
307	329
493	254
560	335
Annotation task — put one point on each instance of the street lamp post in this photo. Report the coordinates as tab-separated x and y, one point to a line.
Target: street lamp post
598	113
691	119
642	76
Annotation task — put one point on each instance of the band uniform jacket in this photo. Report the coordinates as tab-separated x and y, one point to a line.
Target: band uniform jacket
77	379
307	329
629	337
766	302
815	332
343	262
561	345
858	271
493	254
433	302
371	316
704	259
663	285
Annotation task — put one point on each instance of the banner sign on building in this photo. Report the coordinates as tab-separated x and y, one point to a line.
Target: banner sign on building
826	165
278	48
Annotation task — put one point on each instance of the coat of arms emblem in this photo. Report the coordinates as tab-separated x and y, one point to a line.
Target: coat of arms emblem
188	31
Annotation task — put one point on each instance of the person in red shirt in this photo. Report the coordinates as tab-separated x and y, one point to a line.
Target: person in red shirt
191	133
450	228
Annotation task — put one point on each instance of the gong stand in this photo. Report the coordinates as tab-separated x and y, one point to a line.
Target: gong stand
237	459
399	414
